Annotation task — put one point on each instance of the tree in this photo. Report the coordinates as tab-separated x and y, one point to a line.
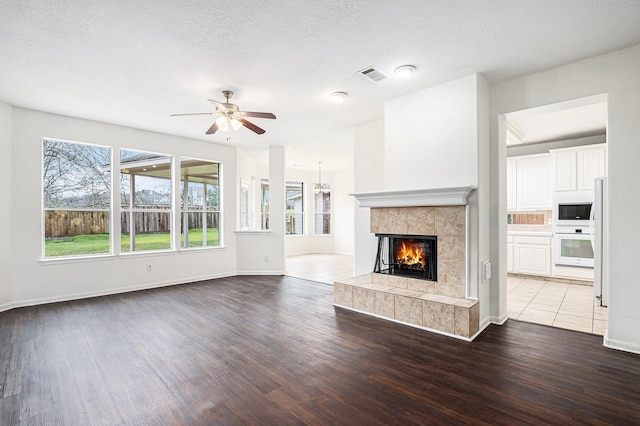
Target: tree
76	175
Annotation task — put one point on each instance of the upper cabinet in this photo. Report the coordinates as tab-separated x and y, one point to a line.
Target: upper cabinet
529	182
564	171
575	169
591	165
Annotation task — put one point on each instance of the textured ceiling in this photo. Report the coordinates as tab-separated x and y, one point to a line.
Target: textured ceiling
135	63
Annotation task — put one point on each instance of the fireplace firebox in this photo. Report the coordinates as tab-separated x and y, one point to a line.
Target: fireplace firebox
411	256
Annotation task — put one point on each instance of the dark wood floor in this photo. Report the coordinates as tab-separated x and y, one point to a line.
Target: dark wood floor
273	351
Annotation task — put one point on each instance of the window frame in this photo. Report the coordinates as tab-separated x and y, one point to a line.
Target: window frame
181	204
113	167
264	204
318	192
43	209
132	210
289	214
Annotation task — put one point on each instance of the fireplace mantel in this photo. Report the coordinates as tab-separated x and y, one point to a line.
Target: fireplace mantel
456	196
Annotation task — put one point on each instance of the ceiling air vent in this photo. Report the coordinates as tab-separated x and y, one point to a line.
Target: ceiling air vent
373	74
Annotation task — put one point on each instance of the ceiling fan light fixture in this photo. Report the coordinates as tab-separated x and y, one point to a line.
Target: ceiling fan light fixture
230	115
405	70
235	123
223	123
338	96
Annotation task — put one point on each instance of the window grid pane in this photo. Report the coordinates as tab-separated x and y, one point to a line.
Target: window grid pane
294	217
145	201
322	210
200	191
76	190
264	204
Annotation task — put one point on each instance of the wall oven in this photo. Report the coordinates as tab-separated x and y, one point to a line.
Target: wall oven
573	246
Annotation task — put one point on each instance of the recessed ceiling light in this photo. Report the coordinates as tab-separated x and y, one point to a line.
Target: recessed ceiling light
405	70
338	96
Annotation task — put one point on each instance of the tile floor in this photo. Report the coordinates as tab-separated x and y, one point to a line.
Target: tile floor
324	268
558	304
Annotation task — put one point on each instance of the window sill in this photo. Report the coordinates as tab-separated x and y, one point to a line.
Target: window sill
76	259
127	255
253	231
196	249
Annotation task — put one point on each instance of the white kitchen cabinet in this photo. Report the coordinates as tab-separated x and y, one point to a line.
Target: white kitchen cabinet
509	253
564	171
574	169
533	182
591	164
532	255
511	184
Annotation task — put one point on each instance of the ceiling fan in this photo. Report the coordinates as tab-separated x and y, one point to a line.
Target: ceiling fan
230	115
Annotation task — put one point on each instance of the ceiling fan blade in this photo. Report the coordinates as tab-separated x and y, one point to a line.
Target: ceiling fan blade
218	105
191	113
249	125
212	129
257	114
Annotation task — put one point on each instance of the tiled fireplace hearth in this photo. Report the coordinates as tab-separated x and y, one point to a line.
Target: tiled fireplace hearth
439	305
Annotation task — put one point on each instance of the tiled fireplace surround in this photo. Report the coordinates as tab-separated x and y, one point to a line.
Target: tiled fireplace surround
438	306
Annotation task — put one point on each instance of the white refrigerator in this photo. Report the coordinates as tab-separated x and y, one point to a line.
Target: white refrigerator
600	242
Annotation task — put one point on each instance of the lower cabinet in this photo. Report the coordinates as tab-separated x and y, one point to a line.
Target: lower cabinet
531	255
509	253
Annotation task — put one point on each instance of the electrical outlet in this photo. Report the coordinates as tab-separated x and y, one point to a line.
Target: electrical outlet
266	258
148	267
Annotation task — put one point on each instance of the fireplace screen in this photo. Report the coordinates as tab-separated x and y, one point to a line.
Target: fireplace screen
408	255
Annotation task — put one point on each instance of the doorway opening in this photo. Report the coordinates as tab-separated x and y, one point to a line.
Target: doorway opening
555	152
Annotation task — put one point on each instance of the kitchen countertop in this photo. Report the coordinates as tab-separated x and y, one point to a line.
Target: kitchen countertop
531	233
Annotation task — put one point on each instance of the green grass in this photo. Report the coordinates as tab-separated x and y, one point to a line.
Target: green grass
99	243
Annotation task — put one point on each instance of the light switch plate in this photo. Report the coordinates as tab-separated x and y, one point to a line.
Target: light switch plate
486	270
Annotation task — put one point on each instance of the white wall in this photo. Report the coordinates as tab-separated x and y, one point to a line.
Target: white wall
369	166
262	252
247	171
617	75
342	214
6	174
307	242
340	240
37	282
481	205
431	137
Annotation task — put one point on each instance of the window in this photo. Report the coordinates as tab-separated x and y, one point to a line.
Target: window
294	194
322	209
76	198
245	205
199	203
264	204
145	201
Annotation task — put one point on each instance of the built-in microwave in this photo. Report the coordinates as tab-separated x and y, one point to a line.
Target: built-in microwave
572	212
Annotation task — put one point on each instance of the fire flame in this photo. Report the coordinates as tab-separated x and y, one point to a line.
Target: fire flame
410	254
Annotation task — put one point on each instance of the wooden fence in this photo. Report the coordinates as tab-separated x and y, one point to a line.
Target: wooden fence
66	223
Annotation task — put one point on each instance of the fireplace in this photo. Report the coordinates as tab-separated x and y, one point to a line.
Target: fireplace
413	256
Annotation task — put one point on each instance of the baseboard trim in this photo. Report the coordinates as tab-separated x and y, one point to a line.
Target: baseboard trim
109	292
621	345
260	273
499	320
